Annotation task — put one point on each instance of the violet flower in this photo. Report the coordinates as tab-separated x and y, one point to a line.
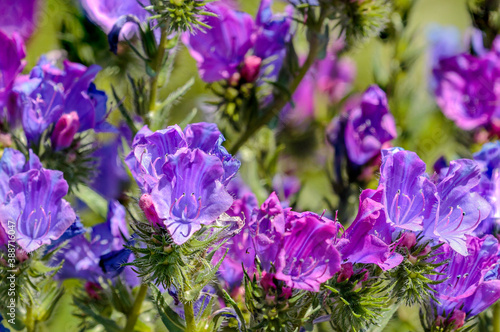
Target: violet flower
465	89
12	54
300	245
51	92
240	247
221	50
82	257
11	163
368	126
190	193
489	186
368	239
472	283
106	13
19	17
35	203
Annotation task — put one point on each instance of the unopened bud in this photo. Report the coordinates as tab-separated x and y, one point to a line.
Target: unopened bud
251	68
65	130
345	272
146	205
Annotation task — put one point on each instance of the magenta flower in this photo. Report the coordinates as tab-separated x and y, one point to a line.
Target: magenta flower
300	245
19	17
220	51
368	239
12	54
35	203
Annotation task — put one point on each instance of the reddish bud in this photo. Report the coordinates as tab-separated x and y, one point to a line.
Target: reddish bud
251	68
65	130
93	289
147	206
345	272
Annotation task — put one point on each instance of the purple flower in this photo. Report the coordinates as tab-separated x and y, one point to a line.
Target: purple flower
465	89
51	92
302	2
300	114
221	50
369	126
460	210
11	163
19	17
300	245
368	238
472	284
408	195
489	186
445	211
149	151
190	193
12	54
334	76
286	186
240	246
106	13
82	257
35	203
111	176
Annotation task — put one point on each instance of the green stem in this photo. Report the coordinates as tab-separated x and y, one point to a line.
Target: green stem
283	99
189	314
156	66
136	309
496	317
30	321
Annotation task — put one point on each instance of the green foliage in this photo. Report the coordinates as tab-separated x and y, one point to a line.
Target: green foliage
180	15
187	267
409	282
356	303
29	282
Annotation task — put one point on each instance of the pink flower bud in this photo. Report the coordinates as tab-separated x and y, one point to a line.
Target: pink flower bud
65	130
408	240
345	272
251	68
93	289
146	204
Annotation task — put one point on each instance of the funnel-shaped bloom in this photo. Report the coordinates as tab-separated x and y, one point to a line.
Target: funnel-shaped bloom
190	193
36	205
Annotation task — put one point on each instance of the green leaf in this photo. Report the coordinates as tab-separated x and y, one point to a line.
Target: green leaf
93	200
170	318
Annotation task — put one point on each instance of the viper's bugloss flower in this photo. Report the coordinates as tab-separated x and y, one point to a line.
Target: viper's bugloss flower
301	246
472	283
111	177
446	211
51	92
12	54
190	192
65	130
365	127
149	151
11	163
465	89
184	175
368	239
286	186
19	17
35	204
489	186
82	257
106	13
221	50
240	247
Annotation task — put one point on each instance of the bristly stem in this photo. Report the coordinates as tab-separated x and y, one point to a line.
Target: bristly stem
283	99
156	66
136	309
189	315
30	321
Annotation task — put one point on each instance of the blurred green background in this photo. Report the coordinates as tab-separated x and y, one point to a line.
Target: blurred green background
421	126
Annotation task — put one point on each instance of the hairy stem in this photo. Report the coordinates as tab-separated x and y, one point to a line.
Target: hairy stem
283	99
156	66
30	321
136	309
189	315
